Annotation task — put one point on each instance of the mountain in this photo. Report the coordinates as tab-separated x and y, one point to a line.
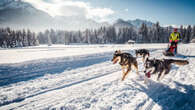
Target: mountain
16	13
75	23
138	22
120	23
19	14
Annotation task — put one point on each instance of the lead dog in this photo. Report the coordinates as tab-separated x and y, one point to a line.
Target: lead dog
126	61
160	67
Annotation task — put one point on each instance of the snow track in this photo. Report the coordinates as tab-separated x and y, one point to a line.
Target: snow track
13	73
92	82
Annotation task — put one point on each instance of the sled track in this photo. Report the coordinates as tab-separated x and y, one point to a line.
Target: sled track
14	73
61	87
88	60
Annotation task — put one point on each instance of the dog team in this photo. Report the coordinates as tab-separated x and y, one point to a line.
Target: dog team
160	67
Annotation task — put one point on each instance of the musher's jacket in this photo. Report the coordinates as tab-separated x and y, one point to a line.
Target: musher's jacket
174	36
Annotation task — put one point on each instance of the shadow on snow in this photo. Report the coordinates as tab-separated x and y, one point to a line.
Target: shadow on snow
168	98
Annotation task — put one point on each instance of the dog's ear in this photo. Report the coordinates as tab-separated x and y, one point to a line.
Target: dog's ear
117	52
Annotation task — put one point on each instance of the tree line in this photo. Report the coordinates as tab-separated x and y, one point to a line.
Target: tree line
10	38
158	34
111	34
105	35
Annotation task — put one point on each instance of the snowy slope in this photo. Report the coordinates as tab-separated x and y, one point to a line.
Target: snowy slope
83	77
14	4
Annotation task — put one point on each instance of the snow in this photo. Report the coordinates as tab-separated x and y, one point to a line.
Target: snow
82	77
14	4
43	51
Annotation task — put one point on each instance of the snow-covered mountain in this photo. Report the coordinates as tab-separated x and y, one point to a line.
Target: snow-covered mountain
16	13
120	23
19	14
138	22
75	23
14	4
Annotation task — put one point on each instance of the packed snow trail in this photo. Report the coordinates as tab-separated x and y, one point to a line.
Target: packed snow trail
13	73
98	86
59	83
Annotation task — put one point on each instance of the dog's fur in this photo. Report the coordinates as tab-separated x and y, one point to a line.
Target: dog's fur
126	61
143	53
161	67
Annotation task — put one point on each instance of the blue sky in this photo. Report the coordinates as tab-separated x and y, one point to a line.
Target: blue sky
167	12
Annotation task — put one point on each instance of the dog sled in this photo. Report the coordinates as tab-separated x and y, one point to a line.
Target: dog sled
170	51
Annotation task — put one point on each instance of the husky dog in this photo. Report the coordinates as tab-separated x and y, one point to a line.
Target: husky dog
126	61
160	67
143	53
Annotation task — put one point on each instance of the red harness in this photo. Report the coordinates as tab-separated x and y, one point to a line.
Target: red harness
148	74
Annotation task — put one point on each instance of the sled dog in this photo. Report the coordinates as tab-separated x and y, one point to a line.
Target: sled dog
160	67
143	53
126	60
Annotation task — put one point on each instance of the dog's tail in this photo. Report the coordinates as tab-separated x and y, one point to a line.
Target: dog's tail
179	62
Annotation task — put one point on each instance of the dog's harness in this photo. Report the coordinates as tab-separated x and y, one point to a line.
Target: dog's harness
156	65
124	58
148	74
142	52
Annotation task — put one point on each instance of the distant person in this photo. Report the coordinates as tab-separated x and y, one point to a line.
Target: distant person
174	39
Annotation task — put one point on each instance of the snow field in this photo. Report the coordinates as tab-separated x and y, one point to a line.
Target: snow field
91	82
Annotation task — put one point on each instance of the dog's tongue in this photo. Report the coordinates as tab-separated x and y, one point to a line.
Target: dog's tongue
148	74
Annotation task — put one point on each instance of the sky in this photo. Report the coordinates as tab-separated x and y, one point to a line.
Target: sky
167	12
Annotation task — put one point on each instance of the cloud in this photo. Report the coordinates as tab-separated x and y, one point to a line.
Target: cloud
99	12
126	9
71	8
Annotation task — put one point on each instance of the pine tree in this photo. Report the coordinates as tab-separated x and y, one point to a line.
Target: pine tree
47	33
188	34
29	36
24	38
193	33
182	33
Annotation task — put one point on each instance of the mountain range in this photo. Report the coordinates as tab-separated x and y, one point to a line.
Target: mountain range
18	14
